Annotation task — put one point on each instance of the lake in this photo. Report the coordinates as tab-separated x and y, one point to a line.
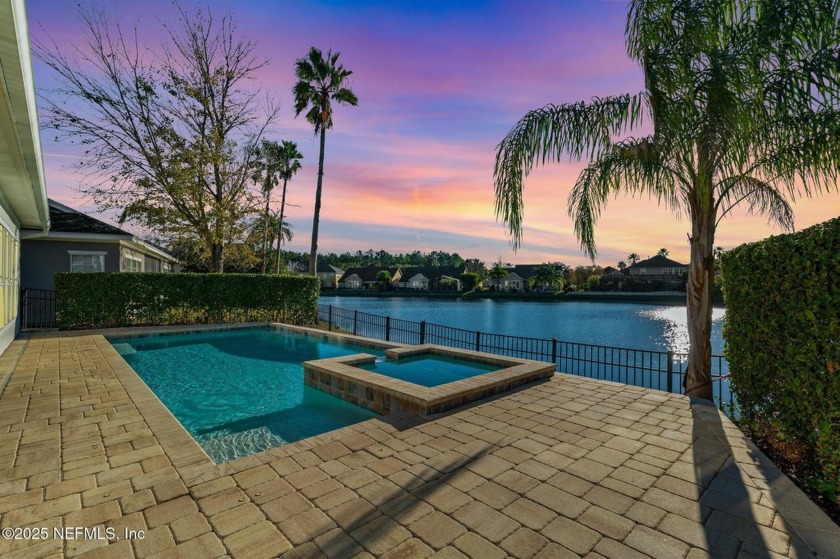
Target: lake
620	324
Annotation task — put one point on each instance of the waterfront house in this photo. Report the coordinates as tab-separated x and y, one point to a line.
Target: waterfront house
365	277
658	268
23	196
78	242
426	278
328	274
517	279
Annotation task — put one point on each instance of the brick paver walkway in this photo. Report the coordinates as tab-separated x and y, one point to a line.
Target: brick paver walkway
565	468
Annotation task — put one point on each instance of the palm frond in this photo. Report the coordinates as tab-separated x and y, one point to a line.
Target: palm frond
760	197
546	134
632	167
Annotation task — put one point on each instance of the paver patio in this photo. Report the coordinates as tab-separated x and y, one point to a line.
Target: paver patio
570	467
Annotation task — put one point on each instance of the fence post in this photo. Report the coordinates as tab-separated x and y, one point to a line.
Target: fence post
355	322
24	309
387	328
478	340
330	320
554	351
422	332
670	371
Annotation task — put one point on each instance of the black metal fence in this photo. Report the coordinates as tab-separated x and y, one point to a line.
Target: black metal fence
37	308
661	370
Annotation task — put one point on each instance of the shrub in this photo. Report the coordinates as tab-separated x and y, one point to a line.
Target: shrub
107	300
782	331
470	280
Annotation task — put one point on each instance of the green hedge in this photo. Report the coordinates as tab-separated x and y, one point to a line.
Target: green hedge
108	300
782	331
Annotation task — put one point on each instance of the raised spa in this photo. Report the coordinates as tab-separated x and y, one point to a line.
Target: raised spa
423	379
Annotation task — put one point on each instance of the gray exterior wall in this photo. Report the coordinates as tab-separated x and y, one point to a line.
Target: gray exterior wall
40	260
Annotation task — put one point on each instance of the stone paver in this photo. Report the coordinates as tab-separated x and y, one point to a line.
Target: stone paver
570	467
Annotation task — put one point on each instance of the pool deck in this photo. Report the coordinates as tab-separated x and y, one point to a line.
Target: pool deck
569	467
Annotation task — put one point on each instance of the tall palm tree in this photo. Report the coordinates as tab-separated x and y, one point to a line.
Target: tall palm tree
632	258
321	81
289	165
265	173
743	99
622	265
662	252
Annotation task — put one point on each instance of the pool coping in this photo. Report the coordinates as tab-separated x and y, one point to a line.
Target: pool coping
187	456
340	377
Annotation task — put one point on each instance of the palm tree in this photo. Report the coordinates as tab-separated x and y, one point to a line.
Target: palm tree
289	165
266	169
622	265
743	99
497	272
320	82
632	258
547	276
662	252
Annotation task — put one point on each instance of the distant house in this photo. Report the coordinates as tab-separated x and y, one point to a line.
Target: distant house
80	243
425	278
658	268
328	274
517	279
365	277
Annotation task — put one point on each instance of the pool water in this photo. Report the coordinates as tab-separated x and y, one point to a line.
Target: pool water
429	370
241	391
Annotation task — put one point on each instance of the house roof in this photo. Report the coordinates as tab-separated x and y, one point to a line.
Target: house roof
324	268
367	273
433	272
526	271
73	224
659	262
68	220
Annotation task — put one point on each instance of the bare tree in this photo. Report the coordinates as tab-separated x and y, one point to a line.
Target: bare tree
168	140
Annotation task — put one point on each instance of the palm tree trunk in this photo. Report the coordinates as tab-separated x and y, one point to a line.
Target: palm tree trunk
265	235
280	228
313	251
698	381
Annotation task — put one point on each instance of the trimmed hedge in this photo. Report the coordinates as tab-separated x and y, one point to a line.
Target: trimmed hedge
782	331
107	300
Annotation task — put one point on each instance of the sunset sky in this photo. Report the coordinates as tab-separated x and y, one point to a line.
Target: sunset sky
439	84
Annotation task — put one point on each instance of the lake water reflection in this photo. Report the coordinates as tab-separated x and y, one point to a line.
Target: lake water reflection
620	324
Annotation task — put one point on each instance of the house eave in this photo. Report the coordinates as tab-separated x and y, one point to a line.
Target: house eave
22	188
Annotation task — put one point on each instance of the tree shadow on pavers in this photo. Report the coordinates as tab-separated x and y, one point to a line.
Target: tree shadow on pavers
733	521
377	520
809	530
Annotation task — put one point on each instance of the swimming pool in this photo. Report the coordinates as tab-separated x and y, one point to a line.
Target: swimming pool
241	391
429	370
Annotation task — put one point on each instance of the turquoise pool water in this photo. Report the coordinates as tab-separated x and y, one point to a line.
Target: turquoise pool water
241	391
429	370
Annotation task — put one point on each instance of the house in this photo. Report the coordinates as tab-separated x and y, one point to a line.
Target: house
328	274
23	195
518	278
78	242
426	278
365	277
659	268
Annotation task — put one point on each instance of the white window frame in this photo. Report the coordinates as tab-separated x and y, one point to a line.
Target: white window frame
100	253
135	258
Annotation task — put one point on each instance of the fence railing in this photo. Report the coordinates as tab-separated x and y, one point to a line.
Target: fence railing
660	370
37	308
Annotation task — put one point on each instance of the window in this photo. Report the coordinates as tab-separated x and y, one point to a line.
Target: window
86	261
165	267
132	262
8	276
642	271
